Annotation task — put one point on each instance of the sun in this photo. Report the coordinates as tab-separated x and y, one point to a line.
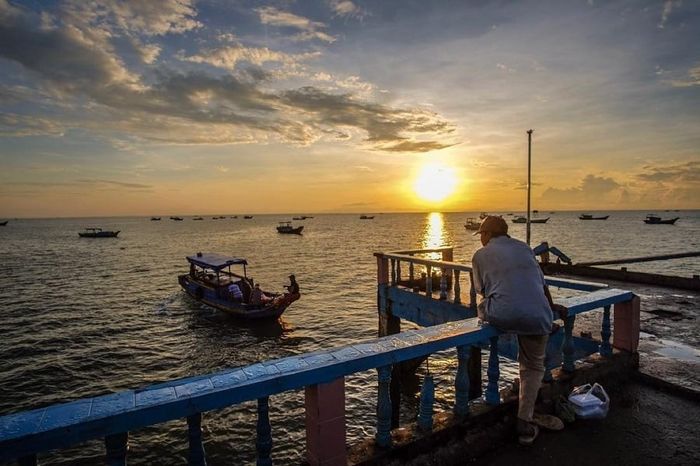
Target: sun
435	182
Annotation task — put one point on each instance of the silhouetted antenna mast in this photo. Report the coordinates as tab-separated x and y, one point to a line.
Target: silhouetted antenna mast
529	165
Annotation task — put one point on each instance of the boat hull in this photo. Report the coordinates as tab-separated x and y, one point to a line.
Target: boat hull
605	217
290	231
100	234
669	221
215	298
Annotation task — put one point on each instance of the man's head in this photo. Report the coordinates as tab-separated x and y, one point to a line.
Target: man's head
492	227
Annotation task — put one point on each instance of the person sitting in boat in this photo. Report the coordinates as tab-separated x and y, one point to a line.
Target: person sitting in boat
257	296
293	287
235	292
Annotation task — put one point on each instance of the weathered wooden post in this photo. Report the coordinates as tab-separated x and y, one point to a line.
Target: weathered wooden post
263	443
461	408
388	325
325	423
605	348
626	325
384	411
117	447
196	456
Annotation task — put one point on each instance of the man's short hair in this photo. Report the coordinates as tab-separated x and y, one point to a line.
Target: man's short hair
493	224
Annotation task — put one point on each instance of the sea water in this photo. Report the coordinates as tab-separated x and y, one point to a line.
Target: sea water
82	317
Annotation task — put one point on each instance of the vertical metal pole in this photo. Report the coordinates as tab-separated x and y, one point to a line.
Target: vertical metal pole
529	164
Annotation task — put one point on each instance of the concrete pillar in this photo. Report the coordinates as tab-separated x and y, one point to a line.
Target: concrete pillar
626	325
325	423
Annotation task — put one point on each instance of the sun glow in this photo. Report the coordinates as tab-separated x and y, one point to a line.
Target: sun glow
435	182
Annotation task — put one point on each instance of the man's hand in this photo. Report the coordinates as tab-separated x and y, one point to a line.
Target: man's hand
561	311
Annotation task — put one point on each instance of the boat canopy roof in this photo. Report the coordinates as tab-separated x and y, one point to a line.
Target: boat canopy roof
214	261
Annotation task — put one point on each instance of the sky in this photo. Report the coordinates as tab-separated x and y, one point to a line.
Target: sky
130	107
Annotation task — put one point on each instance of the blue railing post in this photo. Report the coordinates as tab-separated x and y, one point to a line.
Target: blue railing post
393	271
398	272
461	409
605	347
427	400
457	289
493	397
263	444
196	455
383	436
443	285
568	345
117	446
410	272
429	281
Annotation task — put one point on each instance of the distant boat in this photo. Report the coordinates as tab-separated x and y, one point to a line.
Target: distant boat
591	217
2	224
98	233
235	216
521	219
655	220
287	228
155	219
298	218
177	219
247	217
472	224
366	217
197	218
535	211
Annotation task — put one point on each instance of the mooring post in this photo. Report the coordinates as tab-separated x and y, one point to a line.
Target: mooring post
384	411
196	456
325	423
117	447
388	325
626	325
263	443
461	408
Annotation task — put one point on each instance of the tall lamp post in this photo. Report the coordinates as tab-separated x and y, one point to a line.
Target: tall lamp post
529	164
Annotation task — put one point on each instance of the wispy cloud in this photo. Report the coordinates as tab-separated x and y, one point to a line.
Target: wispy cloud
308	29
347	9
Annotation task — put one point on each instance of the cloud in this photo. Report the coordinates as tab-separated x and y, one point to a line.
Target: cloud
309	30
668	7
198	108
22	125
134	16
347	9
228	57
115	183
592	189
688	172
692	78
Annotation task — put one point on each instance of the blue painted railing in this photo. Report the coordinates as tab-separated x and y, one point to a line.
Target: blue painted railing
113	416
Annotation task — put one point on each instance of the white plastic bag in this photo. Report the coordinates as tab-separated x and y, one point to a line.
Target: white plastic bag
590	402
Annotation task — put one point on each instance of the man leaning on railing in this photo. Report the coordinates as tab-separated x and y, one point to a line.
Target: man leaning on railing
512	295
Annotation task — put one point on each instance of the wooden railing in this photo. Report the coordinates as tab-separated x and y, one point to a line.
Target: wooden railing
25	434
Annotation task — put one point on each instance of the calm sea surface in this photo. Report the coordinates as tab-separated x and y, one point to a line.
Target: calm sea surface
82	317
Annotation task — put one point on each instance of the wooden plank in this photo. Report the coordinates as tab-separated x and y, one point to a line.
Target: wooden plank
595	300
